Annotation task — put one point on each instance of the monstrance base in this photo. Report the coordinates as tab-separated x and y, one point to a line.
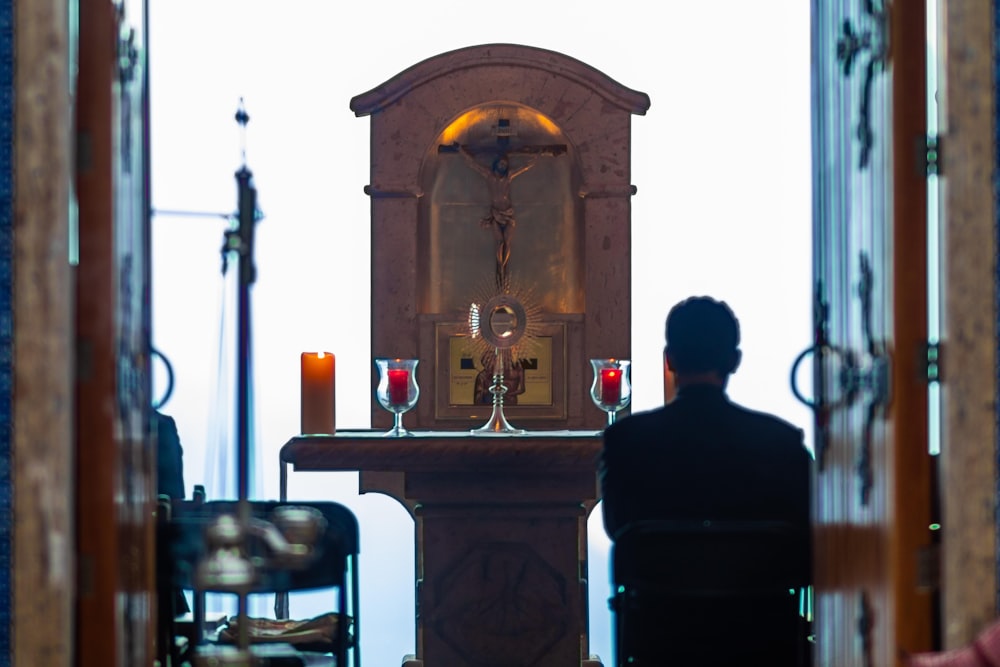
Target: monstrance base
497	425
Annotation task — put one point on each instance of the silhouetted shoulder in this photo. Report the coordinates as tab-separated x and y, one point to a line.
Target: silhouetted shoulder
637	421
767	419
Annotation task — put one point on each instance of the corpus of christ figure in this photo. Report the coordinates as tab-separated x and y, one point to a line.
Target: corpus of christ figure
499	175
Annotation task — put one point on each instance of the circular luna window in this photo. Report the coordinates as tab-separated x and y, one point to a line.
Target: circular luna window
505	321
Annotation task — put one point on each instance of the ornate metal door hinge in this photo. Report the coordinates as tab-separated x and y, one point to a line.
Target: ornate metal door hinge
127	65
866	628
875	378
874	41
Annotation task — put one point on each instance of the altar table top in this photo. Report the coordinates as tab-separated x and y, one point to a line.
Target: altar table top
440	451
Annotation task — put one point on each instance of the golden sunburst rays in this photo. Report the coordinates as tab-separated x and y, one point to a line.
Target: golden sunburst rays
503	326
504	321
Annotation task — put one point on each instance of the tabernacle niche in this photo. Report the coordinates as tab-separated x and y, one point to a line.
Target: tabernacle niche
539	232
446	230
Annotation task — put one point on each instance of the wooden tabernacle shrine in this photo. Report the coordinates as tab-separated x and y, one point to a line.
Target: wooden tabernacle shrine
500	197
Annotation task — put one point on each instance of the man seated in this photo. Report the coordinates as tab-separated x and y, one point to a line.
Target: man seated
703	459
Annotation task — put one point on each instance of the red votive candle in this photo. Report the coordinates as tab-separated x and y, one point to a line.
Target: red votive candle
399	379
611	386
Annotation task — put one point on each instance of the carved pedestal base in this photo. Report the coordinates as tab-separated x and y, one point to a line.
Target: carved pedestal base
501	537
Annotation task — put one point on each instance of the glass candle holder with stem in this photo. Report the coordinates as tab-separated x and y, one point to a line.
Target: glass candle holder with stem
397	390
612	388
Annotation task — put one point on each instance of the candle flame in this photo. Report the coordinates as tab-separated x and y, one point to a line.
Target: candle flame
320	355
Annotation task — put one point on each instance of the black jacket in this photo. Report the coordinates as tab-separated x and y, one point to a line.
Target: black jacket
169	457
703	457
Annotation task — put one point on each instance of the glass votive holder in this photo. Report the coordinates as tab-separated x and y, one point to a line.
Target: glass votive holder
397	390
612	387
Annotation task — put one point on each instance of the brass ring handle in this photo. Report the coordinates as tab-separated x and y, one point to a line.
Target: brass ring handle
170	378
812	349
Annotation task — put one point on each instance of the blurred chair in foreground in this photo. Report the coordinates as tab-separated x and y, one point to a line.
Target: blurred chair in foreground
286	547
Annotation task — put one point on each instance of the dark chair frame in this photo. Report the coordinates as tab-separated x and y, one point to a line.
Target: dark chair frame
334	563
674	580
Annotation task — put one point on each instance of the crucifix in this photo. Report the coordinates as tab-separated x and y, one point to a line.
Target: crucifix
499	176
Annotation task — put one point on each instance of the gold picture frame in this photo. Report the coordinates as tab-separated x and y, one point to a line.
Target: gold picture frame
459	360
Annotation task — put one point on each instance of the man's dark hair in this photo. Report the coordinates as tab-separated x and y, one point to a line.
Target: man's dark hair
702	335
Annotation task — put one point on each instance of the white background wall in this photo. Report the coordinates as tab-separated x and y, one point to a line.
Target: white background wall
721	163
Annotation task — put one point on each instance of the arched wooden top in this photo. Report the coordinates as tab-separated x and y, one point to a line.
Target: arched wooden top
590	117
488	55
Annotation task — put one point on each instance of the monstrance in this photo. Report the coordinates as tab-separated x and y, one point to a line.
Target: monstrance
502	325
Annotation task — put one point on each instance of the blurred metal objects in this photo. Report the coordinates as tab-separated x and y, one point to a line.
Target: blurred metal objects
226	568
226	656
298	524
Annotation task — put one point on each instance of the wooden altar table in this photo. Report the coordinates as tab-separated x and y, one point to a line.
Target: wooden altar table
501	535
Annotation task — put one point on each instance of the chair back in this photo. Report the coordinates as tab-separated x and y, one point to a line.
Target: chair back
710	593
327	566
